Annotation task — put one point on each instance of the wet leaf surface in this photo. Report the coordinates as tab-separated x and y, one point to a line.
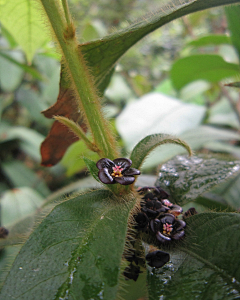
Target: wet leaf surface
186	178
206	264
68	255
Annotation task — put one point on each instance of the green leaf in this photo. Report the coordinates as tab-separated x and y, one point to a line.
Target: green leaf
229	191
7	257
186	178
212	68
205	265
102	54
22	66
149	143
75	252
18	203
30	140
196	138
232	13
73	158
211	39
10	74
92	168
24	21
21	176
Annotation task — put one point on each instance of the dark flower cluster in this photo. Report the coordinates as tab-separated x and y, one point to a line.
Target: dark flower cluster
159	218
116	171
159	215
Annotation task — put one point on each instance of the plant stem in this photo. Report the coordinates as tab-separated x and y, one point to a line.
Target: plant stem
82	82
66	11
77	130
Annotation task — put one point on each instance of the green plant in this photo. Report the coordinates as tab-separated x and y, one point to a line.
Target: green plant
82	247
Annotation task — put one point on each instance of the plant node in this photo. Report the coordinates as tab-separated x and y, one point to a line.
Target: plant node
69	32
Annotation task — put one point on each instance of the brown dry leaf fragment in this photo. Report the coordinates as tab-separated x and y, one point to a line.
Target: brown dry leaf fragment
56	144
60	137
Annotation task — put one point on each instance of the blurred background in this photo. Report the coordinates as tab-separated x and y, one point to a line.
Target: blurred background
172	81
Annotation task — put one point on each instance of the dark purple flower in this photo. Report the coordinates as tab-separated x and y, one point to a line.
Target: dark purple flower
152	207
116	171
156	192
142	221
157	258
167	228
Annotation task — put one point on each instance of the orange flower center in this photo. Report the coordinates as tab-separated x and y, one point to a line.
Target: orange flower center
117	171
167	228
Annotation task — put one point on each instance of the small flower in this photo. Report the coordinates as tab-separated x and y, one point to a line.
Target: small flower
152	207
157	258
142	221
116	171
167	228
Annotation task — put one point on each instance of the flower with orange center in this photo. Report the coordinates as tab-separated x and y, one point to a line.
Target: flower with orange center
116	171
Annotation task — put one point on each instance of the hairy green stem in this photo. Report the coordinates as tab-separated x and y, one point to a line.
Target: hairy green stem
66	12
82	81
77	130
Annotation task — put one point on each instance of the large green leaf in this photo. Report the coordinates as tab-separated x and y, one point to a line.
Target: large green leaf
75	253
232	13
186	178
212	68
102	54
205	265
24	20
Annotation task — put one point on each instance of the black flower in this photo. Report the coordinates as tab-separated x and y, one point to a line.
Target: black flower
142	221
152	207
157	258
156	201
167	228
116	171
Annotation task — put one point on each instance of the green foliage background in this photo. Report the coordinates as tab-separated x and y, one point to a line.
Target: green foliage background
177	73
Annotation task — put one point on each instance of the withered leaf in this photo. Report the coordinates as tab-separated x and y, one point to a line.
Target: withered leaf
56	144
60	137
